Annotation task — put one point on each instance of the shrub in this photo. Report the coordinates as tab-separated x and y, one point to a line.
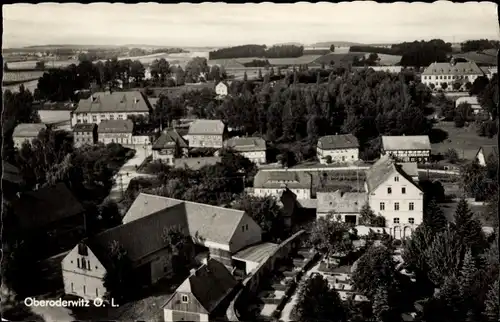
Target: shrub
451	155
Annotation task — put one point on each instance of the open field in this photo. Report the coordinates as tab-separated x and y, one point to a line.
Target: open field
487	57
464	140
303	60
21	76
338	58
386	60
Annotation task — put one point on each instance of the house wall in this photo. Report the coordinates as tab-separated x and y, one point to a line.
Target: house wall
121	138
52	116
141	139
205	141
170	315
160	265
342	215
19	140
192	308
99	117
398	220
86	283
166	155
247	233
221	89
338	155
276	192
82	138
480	158
258	157
420	156
448	79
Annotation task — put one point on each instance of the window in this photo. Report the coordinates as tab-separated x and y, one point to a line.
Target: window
389	190
94	118
411	220
382	206
403	190
184	299
396	179
411	206
396	206
96	292
242	228
72	287
84	290
396	220
88	265
84	264
246	227
78	262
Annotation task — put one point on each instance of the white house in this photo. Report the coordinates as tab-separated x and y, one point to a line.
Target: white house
410	148
26	132
253	148
222	89
345	204
395	196
206	134
438	73
340	148
116	131
223	231
472	101
169	146
486	152
274	183
110	106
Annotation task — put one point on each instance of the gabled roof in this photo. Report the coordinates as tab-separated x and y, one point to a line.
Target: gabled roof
47	205
282	179
409	142
168	139
462	68
210	284
343	141
211	223
84	127
206	127
28	129
341	202
490	150
246	144
223	83
382	170
116	126
196	163
106	102
472	100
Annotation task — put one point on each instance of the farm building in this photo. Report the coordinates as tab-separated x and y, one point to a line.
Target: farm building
472	101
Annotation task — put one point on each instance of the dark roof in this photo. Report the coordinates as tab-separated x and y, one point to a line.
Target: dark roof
382	170
105	102
57	106
11	173
39	208
116	126
406	142
246	144
84	127
206	127
281	179
168	139
343	141
196	163
210	284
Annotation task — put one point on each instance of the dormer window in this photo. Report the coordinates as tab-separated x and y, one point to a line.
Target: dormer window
82	250
184	299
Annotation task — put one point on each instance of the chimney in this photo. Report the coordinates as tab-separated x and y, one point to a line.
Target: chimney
192	272
36	187
136	100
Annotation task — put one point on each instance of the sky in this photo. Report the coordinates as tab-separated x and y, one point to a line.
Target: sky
219	24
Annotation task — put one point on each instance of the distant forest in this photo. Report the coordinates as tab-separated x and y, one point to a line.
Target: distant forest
279	51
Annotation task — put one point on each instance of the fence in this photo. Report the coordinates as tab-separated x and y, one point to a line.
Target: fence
251	283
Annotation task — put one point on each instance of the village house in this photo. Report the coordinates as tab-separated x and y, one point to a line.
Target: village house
116	131
274	183
347	205
222	89
450	73
387	69
222	231
338	148
196	163
472	101
395	196
169	146
110	105
84	133
26	132
486	153
203	296
252	148
411	148
55	112
206	134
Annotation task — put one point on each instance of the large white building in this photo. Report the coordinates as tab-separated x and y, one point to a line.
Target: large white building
411	148
253	148
393	194
108	105
438	73
274	183
338	148
206	134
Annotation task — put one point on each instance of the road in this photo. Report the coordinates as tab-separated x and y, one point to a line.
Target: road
53	313
451	172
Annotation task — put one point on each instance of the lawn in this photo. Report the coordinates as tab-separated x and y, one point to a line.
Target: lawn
464	140
478	210
303	60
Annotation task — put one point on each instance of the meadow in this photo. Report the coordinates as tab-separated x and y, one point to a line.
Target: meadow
10	77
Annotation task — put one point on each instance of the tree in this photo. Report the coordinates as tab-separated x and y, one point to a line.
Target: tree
488	98
118	279
330	237
444	256
451	155
137	70
444	86
332	48
195	68
434	218
478	85
368	217
180	247
40	65
259	76
447	304
265	211
468	228
318	302
457	86
380	304
492	311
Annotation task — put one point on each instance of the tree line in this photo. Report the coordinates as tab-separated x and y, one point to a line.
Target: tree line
278	51
480	45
